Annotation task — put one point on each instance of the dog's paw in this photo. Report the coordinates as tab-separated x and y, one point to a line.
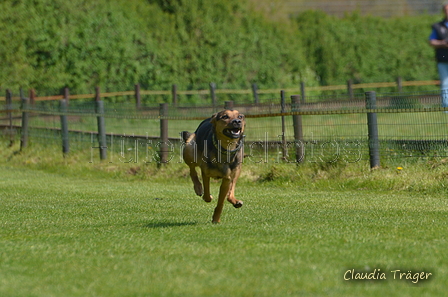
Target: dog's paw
238	204
207	199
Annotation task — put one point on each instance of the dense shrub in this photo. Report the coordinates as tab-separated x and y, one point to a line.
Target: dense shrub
50	44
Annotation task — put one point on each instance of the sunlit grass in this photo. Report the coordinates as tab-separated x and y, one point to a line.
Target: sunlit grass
68	235
74	228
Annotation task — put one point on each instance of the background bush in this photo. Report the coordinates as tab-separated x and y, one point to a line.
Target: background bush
367	49
50	44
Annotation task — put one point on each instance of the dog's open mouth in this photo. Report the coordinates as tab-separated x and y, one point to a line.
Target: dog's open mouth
233	132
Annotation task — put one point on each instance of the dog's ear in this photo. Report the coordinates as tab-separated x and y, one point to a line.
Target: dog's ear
213	119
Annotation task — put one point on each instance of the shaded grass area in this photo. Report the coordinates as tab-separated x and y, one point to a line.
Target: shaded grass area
414	175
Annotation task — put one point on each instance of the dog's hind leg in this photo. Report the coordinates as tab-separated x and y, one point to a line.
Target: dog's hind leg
206	180
190	158
196	183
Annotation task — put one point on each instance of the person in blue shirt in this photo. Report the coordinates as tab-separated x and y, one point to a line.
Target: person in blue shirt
439	41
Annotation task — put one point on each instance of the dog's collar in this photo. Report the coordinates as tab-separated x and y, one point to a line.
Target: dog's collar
226	151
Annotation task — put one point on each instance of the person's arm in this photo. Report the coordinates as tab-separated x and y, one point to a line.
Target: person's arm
436	43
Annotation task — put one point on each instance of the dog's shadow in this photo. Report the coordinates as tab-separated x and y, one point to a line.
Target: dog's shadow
157	225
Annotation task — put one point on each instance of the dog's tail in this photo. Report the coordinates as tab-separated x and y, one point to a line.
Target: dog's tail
187	136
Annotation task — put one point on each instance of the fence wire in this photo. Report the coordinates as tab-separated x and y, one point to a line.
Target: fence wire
334	128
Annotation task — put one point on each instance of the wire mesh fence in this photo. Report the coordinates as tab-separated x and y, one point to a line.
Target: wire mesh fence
332	128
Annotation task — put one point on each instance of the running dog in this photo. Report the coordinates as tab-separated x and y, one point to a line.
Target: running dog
216	147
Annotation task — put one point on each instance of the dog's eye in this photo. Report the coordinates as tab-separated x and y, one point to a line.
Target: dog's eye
225	117
240	116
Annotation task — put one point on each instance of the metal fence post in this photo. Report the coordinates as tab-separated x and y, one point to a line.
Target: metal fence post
372	123
64	126
163	153
101	125
298	130
24	136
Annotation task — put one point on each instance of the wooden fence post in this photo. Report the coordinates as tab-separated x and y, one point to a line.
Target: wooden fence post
283	110
399	84
64	126
213	93
228	105
255	93
67	95
374	146
101	124
138	101
174	94
350	89
163	153
298	130
302	91
24	107
32	96
9	115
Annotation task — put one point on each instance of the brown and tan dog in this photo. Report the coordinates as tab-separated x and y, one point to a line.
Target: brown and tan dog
217	148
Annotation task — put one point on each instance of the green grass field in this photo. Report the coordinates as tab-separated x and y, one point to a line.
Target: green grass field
71	229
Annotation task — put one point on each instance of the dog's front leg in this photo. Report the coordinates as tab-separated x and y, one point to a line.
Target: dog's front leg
231	198
223	192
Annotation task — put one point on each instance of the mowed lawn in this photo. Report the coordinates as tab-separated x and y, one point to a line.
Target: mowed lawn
64	235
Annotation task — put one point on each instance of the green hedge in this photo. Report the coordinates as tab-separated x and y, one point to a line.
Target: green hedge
367	49
50	44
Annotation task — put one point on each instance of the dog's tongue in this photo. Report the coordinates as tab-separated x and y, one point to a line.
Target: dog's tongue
235	131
